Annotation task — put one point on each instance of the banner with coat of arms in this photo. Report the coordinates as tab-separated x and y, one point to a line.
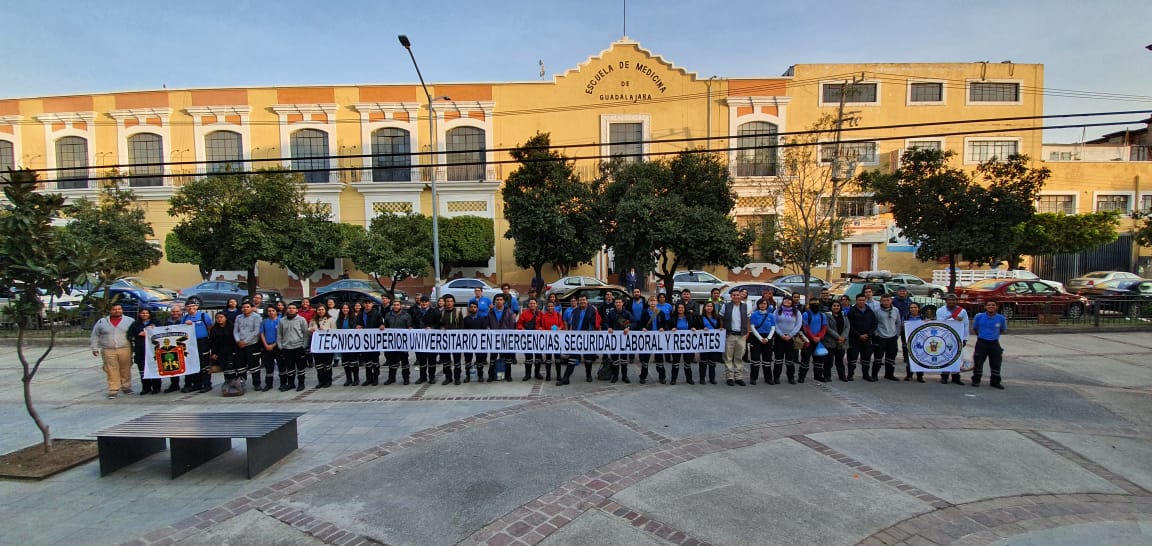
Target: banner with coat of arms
933	347
171	351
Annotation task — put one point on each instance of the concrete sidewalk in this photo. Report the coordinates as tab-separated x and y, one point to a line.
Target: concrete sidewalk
1063	455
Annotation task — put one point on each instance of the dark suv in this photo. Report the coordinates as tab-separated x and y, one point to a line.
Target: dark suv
215	294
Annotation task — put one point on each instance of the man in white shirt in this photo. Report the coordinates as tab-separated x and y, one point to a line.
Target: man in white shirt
110	342
956	317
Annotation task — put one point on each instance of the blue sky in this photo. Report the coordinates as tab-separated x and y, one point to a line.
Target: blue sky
60	47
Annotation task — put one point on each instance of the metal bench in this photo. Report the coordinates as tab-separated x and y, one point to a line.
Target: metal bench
197	438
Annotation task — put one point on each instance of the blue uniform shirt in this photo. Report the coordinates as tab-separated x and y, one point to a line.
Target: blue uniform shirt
483	303
268	328
989	328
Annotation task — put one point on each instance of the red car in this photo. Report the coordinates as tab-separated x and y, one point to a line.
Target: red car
1021	298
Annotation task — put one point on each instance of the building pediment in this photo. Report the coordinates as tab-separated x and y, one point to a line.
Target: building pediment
624	73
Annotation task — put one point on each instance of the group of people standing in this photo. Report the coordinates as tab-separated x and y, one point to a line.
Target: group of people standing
775	340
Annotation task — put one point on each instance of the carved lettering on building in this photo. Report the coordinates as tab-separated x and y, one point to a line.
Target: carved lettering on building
641	72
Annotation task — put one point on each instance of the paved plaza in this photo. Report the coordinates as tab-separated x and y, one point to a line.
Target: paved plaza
1062	456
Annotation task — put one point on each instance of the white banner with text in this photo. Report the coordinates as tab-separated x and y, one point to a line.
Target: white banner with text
517	341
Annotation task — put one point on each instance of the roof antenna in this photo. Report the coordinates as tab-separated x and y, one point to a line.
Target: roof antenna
542	71
625	18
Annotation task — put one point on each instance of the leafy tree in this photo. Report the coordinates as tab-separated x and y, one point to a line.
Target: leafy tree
177	253
395	247
465	241
36	256
950	213
546	204
674	212
933	204
1013	188
1051	233
114	227
309	243
805	233
1143	232
235	220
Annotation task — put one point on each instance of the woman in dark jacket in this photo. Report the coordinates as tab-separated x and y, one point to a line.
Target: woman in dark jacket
346	320
222	341
138	333
681	320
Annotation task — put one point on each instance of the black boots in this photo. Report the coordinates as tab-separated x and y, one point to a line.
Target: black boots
675	375
703	369
566	378
588	372
688	374
536	368
406	374
791	372
660	373
803	374
643	374
754	373
391	377
777	369
624	372
527	371
300	382
712	373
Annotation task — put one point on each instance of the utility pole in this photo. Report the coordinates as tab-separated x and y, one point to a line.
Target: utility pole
837	162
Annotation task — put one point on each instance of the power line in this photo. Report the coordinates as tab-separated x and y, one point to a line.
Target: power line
338	157
599	156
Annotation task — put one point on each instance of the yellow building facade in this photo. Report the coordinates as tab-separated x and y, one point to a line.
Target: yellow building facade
353	140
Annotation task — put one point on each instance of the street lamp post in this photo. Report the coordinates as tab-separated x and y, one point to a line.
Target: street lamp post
432	174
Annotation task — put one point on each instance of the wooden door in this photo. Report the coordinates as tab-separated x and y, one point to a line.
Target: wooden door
861	258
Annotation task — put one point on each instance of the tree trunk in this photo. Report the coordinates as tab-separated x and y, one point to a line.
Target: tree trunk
806	270
951	272
26	379
538	271
252	282
205	274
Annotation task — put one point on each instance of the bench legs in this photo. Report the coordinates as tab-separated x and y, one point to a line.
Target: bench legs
117	453
188	453
264	452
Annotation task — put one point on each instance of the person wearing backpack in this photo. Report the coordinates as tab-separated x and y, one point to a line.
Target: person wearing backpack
815	325
202	321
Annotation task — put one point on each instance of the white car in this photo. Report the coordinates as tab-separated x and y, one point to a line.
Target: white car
566	284
1088	280
757	290
465	289
700	283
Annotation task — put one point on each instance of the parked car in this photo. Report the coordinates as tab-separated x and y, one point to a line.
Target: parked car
465	289
361	284
596	294
567	284
49	305
137	282
854	287
757	290
349	296
700	283
795	283
919	287
1125	296
1021	298
131	299
1089	280
215	294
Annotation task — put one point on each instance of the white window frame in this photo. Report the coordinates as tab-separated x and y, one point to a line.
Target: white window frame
837	250
943	93
13	121
1075	199
820	152
757	104
820	93
968	93
287	129
389	111
606	121
464	109
909	143
123	133
69	119
1139	200
968	157
1131	200
200	131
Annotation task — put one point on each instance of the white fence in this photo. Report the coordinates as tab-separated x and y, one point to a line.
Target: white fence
965	277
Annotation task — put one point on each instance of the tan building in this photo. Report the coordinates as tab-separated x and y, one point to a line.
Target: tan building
623	95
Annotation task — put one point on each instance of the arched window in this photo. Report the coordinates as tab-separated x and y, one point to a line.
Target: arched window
465	149
310	153
390	159
223	146
758	154
72	155
147	150
7	158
